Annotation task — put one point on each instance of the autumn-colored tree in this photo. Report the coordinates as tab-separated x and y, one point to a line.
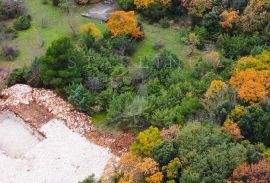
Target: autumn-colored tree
232	128
216	88
251	85
144	4
145	142
260	62
197	7
237	113
252	173
91	27
132	169
229	18
255	17
124	23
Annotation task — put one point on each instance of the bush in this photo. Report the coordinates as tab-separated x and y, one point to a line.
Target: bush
211	24
164	153
22	23
80	97
154	12
11	9
235	46
165	23
56	2
18	76
90	179
9	52
126	4
123	45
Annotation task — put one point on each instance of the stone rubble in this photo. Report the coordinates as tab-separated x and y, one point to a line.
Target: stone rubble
24	94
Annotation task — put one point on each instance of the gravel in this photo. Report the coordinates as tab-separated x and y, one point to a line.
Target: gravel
63	156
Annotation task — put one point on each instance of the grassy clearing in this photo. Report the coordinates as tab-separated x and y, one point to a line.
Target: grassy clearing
48	23
170	38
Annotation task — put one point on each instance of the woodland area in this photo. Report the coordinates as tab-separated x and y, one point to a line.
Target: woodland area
189	78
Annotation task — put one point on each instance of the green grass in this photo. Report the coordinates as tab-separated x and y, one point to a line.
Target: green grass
100	122
170	38
34	41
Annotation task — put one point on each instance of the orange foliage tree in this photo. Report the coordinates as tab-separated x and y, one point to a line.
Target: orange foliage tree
232	128
132	169
229	18
254	173
251	85
124	23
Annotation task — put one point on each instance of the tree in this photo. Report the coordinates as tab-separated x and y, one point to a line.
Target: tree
253	173
61	65
229	18
145	142
232	128
216	89
259	62
254	123
132	169
80	97
92	28
164	153
144	4
208	153
124	23
252	86
255	16
197	7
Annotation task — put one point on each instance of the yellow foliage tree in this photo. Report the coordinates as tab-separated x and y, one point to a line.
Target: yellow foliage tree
215	88
260	62
252	86
144	4
146	141
91	27
237	112
232	128
124	23
229	18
